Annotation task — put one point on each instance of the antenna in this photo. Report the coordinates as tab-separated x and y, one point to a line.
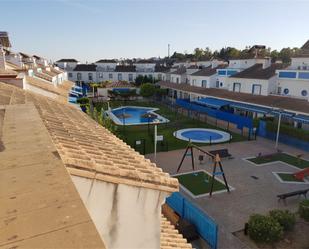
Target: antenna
168	50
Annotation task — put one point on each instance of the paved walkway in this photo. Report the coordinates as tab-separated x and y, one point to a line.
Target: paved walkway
232	210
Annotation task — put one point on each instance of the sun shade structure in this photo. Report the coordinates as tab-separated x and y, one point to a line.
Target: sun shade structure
251	108
302	118
212	102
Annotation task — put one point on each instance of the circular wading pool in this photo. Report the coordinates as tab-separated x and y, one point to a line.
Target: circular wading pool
201	135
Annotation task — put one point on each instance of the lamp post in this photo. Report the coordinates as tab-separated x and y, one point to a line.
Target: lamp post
278	128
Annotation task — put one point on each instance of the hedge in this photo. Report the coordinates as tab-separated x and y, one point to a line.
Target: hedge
288	130
303	209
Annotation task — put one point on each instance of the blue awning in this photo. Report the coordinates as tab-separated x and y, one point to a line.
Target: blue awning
212	102
301	118
284	113
251	108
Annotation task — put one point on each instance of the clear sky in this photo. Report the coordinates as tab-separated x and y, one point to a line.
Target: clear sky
89	30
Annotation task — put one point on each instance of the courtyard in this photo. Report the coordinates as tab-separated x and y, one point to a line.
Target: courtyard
255	187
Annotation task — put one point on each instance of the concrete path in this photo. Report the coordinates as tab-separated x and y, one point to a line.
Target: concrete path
232	210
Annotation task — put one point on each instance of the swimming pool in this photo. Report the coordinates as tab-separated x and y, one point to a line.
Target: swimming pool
135	115
201	135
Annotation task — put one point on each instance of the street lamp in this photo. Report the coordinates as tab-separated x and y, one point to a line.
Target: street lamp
278	128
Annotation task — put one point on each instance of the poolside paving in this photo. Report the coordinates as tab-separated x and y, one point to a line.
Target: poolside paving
232	210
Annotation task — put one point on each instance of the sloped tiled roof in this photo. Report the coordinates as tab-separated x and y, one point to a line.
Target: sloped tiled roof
43	76
170	237
62	92
292	104
119	84
208	71
106	61
67	60
7	73
85	67
40	206
88	149
258	72
50	73
124	68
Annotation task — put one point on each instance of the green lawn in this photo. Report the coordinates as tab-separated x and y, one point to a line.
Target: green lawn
288	177
177	121
199	183
292	160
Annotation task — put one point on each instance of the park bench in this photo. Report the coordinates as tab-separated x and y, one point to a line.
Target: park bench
223	153
290	194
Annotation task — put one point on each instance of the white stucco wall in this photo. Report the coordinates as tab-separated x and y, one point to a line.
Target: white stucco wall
295	87
247	84
125	216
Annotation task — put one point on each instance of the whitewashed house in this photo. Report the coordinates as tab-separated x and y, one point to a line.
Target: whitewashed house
83	73
66	64
293	81
205	77
259	79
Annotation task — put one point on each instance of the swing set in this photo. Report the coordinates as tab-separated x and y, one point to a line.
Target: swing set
215	158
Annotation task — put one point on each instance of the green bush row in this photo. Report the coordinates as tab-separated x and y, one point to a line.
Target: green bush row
288	130
303	209
269	228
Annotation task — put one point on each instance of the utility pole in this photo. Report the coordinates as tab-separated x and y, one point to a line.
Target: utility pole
168	50
278	129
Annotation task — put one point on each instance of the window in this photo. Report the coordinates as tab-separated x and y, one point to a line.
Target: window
101	75
286	91
120	76
221	84
130	77
79	76
204	83
236	87
159	76
256	89
90	76
110	76
177	80
217	83
193	82
304	93
70	75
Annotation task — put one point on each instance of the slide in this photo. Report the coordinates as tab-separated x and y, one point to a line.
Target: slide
300	175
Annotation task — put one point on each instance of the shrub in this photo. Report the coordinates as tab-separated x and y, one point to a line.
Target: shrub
147	90
285	218
83	101
264	228
304	209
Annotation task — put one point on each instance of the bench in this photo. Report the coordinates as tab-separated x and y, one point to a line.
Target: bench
223	153
290	194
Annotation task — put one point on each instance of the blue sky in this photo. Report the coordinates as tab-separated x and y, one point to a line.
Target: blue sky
91	29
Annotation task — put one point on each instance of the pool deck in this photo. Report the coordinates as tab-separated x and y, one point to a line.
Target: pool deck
232	210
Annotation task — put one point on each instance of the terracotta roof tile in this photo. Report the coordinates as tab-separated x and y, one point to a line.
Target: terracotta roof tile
170	237
88	149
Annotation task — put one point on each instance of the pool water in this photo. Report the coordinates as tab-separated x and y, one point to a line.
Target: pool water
133	115
201	135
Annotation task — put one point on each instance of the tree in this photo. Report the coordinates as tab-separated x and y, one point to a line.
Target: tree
147	90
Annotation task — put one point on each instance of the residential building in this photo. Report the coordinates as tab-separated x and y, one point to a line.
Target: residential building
293	81
66	64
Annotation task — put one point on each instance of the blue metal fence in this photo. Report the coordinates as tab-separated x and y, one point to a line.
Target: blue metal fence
285	139
240	121
205	226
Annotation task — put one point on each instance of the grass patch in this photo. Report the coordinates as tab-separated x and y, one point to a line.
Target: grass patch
177	121
288	177
283	157
199	183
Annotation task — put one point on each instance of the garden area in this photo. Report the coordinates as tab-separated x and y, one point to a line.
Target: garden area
278	229
141	137
199	183
295	161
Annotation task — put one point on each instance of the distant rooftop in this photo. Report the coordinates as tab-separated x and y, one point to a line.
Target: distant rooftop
67	60
4	39
107	61
85	67
125	68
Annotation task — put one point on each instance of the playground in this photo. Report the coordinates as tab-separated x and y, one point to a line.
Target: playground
255	187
